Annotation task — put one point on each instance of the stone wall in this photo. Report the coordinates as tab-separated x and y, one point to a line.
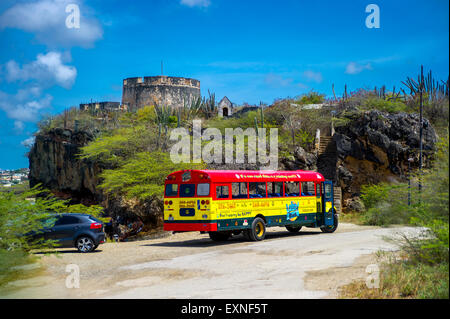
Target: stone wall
162	90
103	106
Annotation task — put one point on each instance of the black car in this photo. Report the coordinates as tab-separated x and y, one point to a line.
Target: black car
81	231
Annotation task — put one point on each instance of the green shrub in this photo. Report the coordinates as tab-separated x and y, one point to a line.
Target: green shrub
385	204
311	98
116	146
142	176
384	105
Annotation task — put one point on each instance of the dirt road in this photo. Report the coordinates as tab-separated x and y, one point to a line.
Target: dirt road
309	264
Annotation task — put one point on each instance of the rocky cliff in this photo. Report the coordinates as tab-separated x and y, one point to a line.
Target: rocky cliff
371	147
54	164
375	147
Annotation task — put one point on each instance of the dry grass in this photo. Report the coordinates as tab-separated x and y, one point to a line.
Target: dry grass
401	279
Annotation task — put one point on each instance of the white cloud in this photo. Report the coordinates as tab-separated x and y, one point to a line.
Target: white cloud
48	69
19	126
312	76
47	20
28	142
276	80
355	68
196	3
25	106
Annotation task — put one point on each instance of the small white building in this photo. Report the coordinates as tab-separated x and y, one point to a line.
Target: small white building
225	107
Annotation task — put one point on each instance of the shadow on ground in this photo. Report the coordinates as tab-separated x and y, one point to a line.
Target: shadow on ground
65	251
236	239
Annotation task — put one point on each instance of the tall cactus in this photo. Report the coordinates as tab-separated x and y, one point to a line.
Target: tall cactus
209	104
429	85
262	114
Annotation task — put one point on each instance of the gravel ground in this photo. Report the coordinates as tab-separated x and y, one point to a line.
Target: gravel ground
309	264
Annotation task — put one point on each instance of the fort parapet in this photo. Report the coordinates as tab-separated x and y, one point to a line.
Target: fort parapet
100	106
161	90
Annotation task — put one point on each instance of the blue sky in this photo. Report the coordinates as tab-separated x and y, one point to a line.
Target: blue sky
250	51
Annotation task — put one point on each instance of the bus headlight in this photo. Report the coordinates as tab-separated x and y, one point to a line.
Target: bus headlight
171	217
204	216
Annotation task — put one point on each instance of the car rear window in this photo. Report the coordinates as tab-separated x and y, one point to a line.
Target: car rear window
92	218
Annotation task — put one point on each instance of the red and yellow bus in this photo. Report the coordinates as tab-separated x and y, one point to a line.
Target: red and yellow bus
226	202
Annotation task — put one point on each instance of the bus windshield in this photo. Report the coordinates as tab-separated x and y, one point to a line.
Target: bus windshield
171	190
203	189
187	190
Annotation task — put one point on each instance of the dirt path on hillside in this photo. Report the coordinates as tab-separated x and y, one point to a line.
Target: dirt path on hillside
310	264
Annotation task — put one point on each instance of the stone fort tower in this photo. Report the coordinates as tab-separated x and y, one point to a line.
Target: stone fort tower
162	90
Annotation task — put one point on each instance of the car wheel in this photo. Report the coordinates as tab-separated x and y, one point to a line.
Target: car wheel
85	244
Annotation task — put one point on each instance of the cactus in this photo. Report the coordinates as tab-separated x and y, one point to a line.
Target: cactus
163	114
209	104
334	94
262	115
429	85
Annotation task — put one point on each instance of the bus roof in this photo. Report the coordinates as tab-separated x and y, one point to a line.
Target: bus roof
224	176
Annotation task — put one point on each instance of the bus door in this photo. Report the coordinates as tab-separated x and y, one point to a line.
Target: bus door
328	203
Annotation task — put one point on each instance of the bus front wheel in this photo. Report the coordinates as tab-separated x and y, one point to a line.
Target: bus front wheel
332	228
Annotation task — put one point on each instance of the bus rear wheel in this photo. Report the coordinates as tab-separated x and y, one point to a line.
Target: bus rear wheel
258	230
219	236
293	229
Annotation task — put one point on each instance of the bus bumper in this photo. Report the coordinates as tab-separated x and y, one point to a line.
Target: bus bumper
174	226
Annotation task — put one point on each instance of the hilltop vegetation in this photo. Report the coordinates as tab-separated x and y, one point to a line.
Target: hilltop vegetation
124	142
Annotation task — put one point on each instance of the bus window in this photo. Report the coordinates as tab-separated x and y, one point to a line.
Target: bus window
171	190
275	189
328	191
203	189
292	189
318	190
187	190
222	192
308	189
257	190
239	190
